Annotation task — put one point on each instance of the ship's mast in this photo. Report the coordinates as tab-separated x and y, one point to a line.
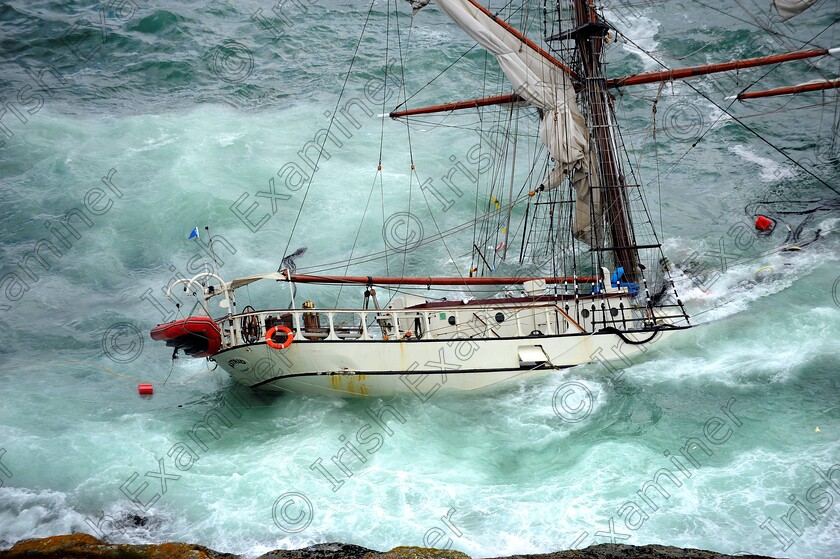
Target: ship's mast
589	37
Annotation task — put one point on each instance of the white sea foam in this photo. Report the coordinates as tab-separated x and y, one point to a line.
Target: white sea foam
519	476
770	170
27	513
641	29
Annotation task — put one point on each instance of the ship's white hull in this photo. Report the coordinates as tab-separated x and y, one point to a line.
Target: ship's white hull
423	367
418	346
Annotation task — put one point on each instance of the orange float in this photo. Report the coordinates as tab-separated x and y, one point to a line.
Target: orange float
271	343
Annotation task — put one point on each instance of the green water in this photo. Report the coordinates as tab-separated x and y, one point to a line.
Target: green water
185	107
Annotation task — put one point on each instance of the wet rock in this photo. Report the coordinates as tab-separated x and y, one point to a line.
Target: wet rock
323	551
621	551
84	546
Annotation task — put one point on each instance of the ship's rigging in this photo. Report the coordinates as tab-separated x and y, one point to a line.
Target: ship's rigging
588	274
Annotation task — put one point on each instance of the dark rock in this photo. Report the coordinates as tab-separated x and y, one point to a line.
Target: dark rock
621	551
84	546
323	551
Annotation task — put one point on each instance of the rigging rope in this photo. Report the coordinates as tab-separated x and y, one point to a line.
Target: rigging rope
739	121
382	254
407	131
329	126
378	174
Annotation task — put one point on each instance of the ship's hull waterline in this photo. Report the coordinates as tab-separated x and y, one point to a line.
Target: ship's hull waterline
387	368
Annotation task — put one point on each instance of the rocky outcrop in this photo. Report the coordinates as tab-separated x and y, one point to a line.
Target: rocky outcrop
84	546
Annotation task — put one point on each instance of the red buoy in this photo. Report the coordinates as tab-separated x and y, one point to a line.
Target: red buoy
145	389
763	223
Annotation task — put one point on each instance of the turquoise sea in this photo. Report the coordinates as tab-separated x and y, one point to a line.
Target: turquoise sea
125	124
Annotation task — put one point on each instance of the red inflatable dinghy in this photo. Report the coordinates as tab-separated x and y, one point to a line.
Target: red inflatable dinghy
198	336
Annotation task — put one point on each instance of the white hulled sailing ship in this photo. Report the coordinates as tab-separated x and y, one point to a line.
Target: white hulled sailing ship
594	282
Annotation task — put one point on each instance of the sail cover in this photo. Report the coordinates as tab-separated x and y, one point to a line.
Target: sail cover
543	84
789	8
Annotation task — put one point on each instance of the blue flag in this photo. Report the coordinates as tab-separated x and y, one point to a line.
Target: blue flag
194	234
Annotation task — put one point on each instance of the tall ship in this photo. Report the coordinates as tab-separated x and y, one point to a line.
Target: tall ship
567	266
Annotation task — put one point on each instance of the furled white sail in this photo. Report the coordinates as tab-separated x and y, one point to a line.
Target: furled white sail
587	205
535	78
789	8
543	84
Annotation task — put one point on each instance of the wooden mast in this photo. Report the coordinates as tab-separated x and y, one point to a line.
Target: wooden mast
589	37
693	71
385	280
790	90
635	79
458	105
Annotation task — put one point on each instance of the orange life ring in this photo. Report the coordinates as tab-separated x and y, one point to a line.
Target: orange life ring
275	345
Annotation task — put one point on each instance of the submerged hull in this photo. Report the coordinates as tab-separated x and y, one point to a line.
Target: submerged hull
422	367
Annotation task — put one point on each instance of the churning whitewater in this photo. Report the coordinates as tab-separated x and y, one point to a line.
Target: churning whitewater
125	126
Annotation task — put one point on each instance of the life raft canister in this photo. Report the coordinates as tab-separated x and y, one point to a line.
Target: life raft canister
271	343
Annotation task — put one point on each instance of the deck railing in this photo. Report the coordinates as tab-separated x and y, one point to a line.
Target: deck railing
439	323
